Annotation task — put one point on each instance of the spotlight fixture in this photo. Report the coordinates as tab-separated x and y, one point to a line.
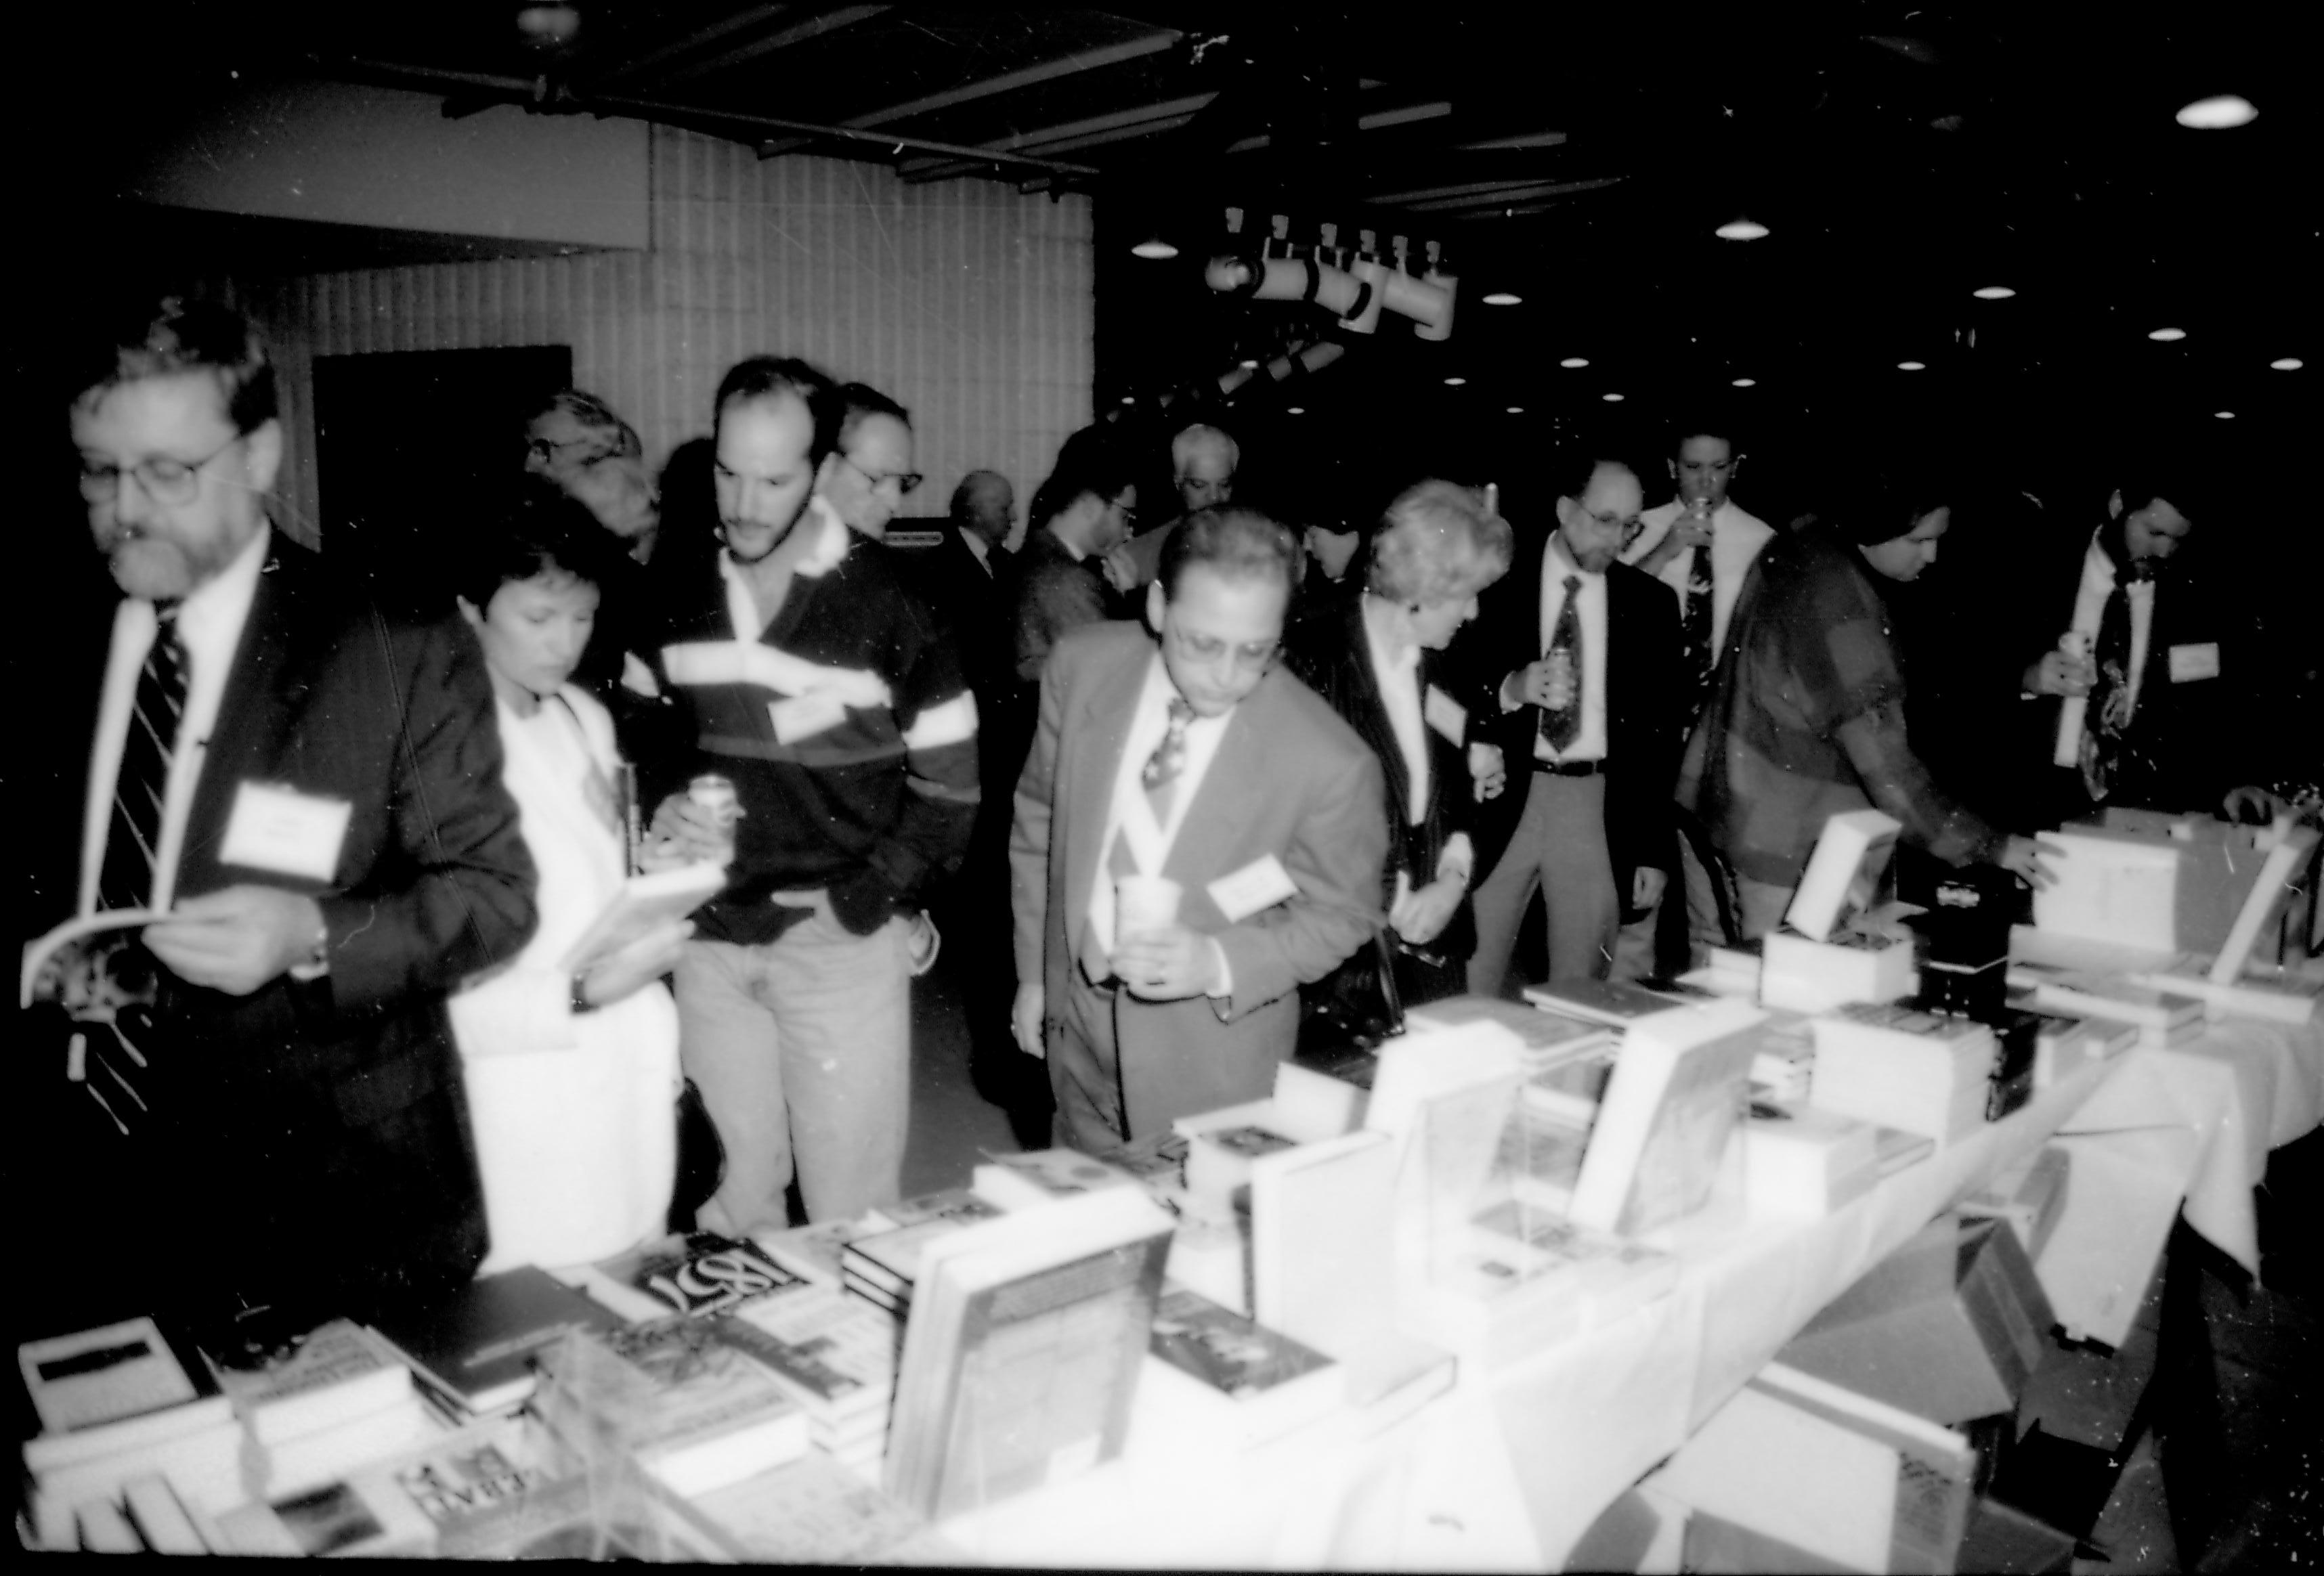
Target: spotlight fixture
1130	399
1501	297
1248	365
1454	383
2225	415
1611	399
1514	411
1739	229
1745	383
1575	360
2286	363
1155	248
2218	114
1295	410
2167	336
1994	292
1911	366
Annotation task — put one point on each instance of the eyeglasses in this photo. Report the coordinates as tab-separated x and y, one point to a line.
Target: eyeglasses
906	481
166	480
546	449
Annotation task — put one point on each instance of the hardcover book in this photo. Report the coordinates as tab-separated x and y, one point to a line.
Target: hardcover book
1843	873
700	1272
335	1374
1027	1338
1610	1001
1677	1094
1230	1378
476	1347
644	904
687	1406
1013	1182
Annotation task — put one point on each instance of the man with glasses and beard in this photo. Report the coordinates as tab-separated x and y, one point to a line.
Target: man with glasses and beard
822	692
1205	764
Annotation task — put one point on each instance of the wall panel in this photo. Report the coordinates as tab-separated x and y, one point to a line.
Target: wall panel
970	303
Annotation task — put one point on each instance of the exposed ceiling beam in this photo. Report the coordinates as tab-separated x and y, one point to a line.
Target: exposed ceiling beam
812	27
1031	76
1524	140
1508	195
1464	189
1385	118
520	89
1144	120
643	68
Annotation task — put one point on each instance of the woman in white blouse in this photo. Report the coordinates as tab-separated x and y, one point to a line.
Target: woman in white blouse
572	1079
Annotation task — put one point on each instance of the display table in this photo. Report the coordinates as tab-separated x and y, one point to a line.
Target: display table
1509	1468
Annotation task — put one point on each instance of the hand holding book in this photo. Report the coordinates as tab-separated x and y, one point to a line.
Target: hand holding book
634	966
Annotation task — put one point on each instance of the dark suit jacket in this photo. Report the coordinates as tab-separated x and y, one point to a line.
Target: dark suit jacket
2188	742
1053	592
1329	652
1289	780
316	1135
1645	705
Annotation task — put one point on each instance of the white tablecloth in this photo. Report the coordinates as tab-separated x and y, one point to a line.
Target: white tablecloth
1510	1468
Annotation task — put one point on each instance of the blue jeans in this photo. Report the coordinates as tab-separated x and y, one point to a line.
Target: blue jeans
801	1046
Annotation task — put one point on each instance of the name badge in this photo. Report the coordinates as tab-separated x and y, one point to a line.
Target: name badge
803	716
1260	884
1446	715
2188	663
285	832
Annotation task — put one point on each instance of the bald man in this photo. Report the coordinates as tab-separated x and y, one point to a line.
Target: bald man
1202	464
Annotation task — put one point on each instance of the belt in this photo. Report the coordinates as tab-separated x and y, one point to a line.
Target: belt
1570	767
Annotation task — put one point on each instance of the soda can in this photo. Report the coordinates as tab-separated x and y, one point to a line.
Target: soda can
717	795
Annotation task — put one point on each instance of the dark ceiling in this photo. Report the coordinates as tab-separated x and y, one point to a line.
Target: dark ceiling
1900	155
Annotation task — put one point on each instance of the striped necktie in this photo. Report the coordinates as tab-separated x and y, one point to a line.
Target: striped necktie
133	839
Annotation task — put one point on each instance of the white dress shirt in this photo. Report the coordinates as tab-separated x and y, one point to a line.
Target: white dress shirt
2089	612
1735	539
1148	722
210	621
1590	743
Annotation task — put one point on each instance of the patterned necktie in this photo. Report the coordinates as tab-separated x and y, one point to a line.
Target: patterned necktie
2106	718
134	838
1701	656
1160	772
1559	727
108	1057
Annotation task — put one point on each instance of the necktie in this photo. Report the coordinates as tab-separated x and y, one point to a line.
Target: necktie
107	1059
2106	719
134	835
1701	657
1159	778
1559	727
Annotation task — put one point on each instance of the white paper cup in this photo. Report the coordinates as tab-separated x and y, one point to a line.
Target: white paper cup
1143	903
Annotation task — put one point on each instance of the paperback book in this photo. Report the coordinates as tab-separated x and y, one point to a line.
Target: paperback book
1676	1097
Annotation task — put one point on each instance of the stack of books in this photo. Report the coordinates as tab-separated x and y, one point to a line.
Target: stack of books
1900	1067
337	1397
472	1351
836	1355
1803	1162
2162	1017
1038	1177
122	1406
815	1252
1528	1278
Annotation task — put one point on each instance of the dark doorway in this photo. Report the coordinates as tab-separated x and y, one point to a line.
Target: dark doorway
410	444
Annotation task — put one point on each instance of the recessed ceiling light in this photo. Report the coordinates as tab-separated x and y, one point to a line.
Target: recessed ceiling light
1454	383
1746	383
1574	361
2225	415
2286	363
1248	365
2213	115
1155	247
1295	411
1501	297
2168	336
1515	411
1994	292
1130	399
1911	366
1739	229
1611	399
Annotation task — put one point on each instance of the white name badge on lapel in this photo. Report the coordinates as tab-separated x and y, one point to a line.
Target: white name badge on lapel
1446	715
285	832
803	716
1260	884
2188	663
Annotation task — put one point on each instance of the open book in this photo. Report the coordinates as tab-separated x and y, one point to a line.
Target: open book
644	904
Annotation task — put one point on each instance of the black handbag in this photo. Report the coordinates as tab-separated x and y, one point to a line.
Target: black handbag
1357	1005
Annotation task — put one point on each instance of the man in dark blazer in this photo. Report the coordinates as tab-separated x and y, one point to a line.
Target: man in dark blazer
2139	682
313	796
1206	764
1590	711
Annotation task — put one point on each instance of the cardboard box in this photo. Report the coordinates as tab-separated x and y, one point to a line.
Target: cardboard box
1950	1326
